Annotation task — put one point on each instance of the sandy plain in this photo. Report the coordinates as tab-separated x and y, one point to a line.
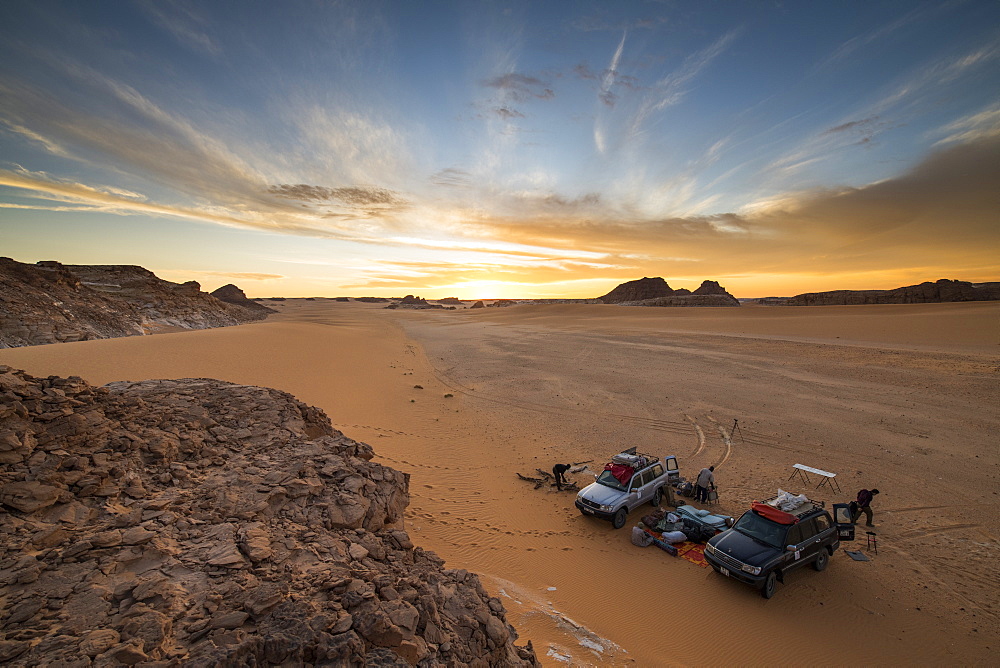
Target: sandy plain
905	398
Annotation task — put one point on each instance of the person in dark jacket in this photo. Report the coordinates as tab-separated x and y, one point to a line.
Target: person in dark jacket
865	498
559	471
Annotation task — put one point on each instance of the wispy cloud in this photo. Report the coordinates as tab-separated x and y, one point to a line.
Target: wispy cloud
520	87
239	275
184	22
608	79
858	42
670	89
981	125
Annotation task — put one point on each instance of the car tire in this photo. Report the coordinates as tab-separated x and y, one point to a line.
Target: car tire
618	521
822	559
770	584
657	497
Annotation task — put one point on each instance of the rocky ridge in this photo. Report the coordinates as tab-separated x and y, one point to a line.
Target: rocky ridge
200	523
943	290
49	302
656	292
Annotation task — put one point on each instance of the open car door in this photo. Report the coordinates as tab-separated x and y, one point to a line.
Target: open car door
844	520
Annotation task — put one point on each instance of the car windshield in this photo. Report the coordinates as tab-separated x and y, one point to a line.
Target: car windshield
763	530
609	480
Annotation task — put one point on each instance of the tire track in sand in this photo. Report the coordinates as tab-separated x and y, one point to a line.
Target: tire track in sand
726	438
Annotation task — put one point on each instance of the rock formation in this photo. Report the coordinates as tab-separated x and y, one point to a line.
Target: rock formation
638	290
231	294
49	303
410	300
478	304
943	290
200	523
656	292
453	301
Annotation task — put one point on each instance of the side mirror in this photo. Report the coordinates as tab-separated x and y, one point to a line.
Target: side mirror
791	548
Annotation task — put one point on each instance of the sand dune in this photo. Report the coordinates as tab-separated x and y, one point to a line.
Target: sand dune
902	397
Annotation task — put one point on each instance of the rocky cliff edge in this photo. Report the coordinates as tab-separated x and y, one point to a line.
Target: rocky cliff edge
49	302
200	523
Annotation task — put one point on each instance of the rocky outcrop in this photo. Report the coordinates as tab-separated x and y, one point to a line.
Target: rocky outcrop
943	290
410	300
478	304
638	290
50	303
710	288
200	523
231	294
452	301
656	292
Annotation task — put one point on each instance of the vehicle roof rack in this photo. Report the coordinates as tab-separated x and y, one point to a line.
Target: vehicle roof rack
800	511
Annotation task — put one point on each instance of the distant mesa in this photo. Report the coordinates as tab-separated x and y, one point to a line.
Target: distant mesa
371	300
231	294
943	290
341	299
656	292
643	288
49	302
453	301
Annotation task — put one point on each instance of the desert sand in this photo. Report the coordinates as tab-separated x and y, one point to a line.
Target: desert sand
905	398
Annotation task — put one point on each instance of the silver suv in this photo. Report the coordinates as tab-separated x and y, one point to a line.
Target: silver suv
627	482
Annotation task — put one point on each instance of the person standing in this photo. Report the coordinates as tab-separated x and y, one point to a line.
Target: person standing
706	480
865	498
559	471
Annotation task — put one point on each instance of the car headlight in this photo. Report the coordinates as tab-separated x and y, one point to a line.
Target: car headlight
752	570
710	549
606	509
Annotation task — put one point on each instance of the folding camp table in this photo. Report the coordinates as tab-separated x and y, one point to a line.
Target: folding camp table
803	472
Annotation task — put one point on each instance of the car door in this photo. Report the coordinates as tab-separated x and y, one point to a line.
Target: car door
812	539
793	547
638	490
844	520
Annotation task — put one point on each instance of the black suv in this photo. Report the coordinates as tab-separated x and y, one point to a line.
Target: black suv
766	543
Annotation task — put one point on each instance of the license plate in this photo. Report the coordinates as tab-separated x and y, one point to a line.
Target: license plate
724	571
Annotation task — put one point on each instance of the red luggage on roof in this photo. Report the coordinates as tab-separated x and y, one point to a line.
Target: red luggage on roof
773	514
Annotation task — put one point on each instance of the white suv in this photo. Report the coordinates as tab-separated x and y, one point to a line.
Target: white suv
627	482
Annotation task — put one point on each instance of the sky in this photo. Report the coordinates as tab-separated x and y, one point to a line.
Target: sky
504	149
